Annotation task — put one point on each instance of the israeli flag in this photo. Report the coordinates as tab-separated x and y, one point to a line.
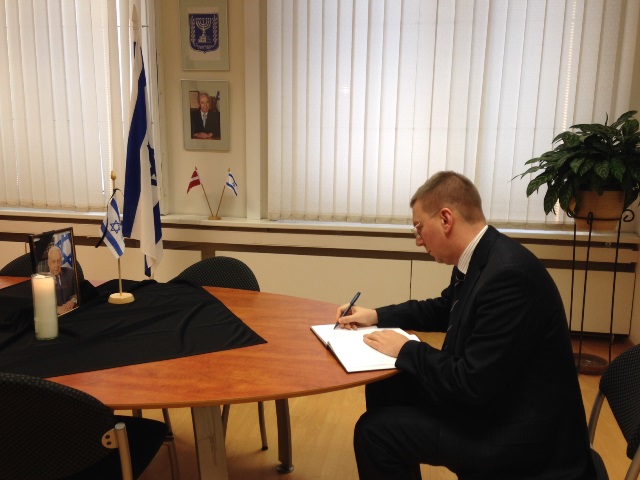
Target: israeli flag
111	229
63	242
231	183
141	207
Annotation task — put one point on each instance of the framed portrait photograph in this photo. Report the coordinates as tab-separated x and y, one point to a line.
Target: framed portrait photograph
204	35
55	252
205	115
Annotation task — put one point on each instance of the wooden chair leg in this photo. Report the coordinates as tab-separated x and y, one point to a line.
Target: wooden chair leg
225	419
167	420
173	457
263	428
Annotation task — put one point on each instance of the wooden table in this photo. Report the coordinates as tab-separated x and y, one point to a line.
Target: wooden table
292	363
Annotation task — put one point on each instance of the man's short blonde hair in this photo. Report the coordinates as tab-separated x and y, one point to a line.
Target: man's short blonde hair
452	190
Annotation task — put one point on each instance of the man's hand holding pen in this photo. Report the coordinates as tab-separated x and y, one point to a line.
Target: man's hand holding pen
356	316
385	341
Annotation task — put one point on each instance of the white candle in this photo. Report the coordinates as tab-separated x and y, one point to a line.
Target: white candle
45	313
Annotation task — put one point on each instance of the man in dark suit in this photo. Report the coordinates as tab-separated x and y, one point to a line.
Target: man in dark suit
205	121
501	400
66	295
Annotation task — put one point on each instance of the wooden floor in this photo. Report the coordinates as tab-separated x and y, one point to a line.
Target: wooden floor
322	434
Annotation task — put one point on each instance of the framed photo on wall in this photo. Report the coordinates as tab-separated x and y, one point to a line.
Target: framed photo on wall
205	116
204	35
55	252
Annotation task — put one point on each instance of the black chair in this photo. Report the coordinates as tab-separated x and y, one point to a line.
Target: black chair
225	272
21	267
50	431
620	385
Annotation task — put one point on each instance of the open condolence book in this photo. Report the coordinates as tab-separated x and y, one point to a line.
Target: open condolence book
351	351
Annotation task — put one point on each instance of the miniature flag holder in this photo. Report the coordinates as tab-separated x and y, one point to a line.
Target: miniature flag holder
112	232
120	297
231	184
195	181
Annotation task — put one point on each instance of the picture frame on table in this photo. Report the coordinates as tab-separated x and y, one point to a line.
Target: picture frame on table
55	252
204	35
205	106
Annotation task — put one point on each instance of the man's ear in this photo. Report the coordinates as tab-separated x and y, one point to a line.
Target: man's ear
446	219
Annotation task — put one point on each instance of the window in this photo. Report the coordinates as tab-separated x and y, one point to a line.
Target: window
367	98
64	101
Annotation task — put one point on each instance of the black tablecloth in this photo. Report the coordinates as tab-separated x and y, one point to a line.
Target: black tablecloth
166	320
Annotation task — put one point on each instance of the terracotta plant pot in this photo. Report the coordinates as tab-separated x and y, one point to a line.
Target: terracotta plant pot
606	208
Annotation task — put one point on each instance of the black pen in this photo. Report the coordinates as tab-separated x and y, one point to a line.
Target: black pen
346	310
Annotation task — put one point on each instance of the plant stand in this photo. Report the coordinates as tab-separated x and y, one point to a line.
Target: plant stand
587	363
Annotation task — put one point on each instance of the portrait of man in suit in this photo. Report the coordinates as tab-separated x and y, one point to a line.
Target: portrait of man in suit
54	252
65	280
205	120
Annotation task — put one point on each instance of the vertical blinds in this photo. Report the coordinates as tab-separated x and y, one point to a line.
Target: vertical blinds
64	101
368	98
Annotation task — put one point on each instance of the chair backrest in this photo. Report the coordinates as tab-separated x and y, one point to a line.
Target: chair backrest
21	267
18	267
620	384
225	272
49	430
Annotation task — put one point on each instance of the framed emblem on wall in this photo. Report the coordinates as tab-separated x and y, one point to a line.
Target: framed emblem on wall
204	34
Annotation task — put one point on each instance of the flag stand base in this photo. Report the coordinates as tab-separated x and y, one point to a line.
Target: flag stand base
121	298
214	217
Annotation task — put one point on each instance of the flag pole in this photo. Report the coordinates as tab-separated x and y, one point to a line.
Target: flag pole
113	189
121	297
220	202
207	199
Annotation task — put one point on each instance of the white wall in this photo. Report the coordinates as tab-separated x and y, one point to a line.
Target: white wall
336	278
331	279
99	263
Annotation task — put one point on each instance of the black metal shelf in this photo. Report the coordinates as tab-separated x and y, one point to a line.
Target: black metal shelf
586	363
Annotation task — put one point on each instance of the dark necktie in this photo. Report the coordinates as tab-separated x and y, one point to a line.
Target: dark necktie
58	289
457	281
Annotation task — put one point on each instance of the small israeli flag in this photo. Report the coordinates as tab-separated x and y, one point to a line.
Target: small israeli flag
231	183
111	229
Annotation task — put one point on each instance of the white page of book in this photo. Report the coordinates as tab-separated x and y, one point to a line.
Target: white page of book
350	349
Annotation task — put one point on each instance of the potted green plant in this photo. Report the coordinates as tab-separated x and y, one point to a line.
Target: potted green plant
602	161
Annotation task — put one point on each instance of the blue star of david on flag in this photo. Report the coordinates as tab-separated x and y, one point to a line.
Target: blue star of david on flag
115	227
112	235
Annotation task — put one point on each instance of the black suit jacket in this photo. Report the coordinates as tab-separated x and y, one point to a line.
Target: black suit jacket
66	288
508	374
212	125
